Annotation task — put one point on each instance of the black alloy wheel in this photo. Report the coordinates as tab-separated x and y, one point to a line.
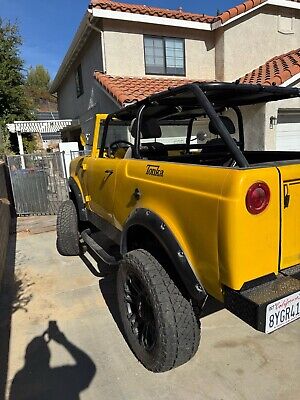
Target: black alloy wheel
159	321
140	312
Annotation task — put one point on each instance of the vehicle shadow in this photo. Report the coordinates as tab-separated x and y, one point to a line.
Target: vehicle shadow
37	380
108	288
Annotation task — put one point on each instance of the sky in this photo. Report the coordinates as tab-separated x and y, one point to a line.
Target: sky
48	27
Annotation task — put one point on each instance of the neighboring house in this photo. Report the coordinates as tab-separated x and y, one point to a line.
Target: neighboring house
133	51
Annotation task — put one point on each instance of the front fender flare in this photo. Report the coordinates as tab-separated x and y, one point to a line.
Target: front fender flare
149	220
78	198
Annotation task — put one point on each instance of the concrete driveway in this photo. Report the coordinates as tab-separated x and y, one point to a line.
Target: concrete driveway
91	360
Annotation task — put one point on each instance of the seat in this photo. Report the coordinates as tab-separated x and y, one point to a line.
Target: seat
217	144
226	121
150	129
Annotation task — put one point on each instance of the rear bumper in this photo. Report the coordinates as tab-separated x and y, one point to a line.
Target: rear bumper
251	304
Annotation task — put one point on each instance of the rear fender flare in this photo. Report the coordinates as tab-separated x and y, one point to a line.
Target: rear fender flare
152	222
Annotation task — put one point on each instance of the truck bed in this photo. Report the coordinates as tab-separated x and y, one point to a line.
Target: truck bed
215	157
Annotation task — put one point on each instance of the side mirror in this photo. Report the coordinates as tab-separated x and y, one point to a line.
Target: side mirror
83	139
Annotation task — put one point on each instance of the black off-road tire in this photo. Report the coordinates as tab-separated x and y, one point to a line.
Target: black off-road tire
67	242
176	324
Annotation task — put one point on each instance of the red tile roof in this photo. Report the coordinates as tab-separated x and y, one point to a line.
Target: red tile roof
177	14
275	71
153	11
130	89
241	8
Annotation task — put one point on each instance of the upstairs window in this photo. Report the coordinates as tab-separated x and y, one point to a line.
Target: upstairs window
164	56
78	81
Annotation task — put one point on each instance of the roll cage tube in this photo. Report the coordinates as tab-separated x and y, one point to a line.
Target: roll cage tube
137	141
212	114
241	126
189	135
103	139
210	111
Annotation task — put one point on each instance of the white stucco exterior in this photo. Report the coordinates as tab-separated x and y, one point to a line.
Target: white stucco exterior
223	53
93	100
124	49
249	42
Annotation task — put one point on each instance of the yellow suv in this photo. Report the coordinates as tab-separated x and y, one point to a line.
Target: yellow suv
192	214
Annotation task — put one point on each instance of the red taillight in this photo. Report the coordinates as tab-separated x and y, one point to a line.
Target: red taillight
258	197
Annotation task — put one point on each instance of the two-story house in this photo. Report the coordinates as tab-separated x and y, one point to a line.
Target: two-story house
124	52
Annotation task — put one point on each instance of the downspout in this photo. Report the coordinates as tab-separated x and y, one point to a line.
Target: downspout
102	43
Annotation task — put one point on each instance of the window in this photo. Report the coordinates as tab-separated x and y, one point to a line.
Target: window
164	56
78	80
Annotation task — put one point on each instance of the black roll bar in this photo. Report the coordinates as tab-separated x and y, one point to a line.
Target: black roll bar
105	128
136	147
209	110
241	127
189	135
223	132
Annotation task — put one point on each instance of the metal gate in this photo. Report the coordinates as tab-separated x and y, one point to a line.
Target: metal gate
39	182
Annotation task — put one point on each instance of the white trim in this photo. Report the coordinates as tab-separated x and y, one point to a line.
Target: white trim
103	53
279	3
218	24
284	3
148	19
73	50
291	81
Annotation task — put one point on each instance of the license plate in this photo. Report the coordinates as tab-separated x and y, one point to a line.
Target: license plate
282	312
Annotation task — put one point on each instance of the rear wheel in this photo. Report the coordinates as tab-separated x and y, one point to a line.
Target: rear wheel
67	242
161	326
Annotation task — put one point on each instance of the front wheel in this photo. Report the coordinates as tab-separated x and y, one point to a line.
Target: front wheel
67	242
160	323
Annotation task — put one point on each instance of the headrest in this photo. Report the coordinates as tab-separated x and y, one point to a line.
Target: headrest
226	121
150	128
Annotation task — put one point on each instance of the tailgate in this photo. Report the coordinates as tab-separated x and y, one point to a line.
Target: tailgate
290	215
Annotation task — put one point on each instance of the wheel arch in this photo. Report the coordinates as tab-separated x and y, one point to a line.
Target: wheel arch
146	229
76	196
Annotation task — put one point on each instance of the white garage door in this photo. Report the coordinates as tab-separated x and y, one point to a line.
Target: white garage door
288	130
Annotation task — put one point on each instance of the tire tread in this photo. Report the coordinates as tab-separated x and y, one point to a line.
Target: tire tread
181	330
67	242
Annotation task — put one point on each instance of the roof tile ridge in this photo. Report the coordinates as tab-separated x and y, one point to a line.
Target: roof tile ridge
116	4
238	9
281	56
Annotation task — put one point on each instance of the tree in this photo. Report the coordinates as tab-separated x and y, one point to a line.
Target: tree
38	78
37	88
14	104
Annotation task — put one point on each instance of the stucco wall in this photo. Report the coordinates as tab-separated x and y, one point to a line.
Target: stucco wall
251	41
260	134
224	54
124	48
4	219
272	111
90	58
93	100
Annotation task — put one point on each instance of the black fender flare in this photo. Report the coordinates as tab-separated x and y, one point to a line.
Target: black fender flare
151	221
78	198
